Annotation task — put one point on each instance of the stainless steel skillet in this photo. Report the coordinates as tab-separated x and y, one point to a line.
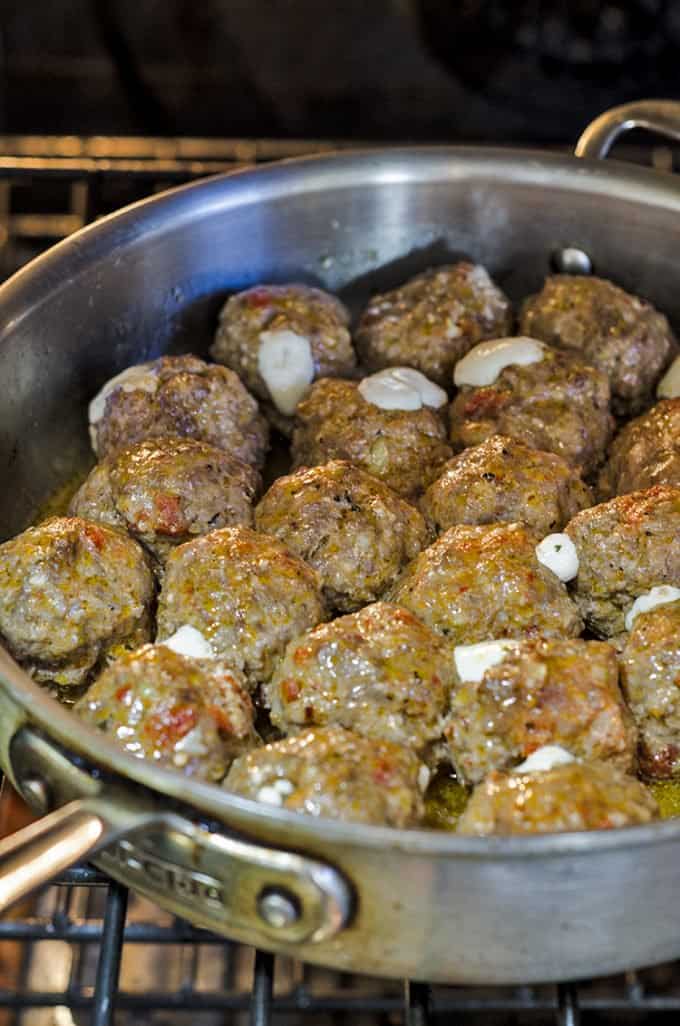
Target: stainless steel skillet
150	279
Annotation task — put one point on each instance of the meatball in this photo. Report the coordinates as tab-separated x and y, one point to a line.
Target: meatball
617	332
245	592
432	320
178	395
71	593
279	338
354	531
542	692
625	547
334	773
379	672
650	677
503	480
645	453
190	714
166	491
480	583
558	404
578	796
405	449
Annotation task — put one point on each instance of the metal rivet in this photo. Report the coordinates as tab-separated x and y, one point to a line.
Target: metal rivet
278	908
571	260
37	793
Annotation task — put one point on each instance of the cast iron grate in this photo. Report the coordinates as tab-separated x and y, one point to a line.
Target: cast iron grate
85	958
84	951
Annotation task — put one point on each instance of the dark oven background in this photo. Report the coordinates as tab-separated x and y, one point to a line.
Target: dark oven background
473	70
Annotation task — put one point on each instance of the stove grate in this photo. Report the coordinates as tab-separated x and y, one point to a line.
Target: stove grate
184	971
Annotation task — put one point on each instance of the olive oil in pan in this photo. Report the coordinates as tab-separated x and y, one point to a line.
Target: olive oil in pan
445	801
667	794
56	504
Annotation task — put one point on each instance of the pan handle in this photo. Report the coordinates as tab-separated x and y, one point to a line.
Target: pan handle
214	877
35	855
661	116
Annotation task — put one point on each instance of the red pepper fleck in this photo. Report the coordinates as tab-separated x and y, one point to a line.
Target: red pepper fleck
382	772
258	298
290	690
169	509
484	402
96	536
167	726
221	718
123	692
302	654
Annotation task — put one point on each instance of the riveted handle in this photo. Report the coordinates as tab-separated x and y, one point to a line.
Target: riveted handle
209	875
660	116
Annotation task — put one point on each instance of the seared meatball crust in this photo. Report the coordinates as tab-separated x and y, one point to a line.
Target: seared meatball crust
433	320
166	491
544	692
245	592
72	592
480	583
379	672
625	547
502	480
558	404
650	677
617	332
306	311
336	774
405	449
192	399
646	452
577	796
354	530
188	714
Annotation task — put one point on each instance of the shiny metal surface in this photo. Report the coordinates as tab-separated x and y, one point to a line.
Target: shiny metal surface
33	856
151	279
661	116
228	882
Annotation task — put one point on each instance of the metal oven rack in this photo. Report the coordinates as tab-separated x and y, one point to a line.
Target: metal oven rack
215	981
82	951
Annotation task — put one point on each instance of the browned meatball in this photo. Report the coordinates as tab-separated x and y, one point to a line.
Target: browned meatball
268	313
166	491
480	583
190	714
379	672
180	395
645	453
432	320
650	677
71	593
578	796
619	333
625	547
543	692
503	480
403	448
558	404
354	530
245	592
336	774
